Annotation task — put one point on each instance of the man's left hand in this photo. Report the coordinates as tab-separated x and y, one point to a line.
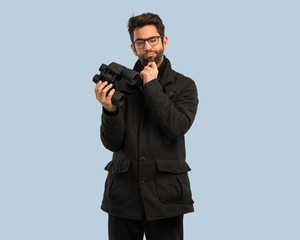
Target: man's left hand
149	73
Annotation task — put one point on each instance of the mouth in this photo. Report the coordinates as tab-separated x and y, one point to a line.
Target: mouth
149	55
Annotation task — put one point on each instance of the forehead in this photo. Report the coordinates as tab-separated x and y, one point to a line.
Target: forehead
145	32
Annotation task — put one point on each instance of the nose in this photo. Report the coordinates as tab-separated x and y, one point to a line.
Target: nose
147	45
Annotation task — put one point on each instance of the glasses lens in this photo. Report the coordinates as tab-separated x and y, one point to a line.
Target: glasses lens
153	41
139	43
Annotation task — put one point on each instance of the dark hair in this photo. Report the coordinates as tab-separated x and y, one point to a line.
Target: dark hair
143	20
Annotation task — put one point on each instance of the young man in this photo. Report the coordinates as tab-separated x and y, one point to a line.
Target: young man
147	189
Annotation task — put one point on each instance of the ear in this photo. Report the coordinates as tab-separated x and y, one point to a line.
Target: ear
133	49
165	39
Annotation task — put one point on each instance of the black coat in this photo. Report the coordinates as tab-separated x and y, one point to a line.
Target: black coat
148	175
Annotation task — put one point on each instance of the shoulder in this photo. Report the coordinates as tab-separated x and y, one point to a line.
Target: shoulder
182	82
177	83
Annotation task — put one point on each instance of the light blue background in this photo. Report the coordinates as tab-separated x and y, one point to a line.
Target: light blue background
243	147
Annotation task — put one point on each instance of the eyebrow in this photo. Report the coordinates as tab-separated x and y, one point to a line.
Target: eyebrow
145	38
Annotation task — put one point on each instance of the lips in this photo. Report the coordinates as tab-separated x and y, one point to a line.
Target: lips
151	54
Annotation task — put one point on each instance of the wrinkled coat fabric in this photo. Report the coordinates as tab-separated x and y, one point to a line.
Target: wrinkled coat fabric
148	174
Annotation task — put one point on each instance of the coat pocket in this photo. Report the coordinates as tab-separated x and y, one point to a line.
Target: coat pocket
172	181
118	182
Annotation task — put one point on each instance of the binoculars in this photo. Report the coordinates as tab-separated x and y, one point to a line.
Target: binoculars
114	73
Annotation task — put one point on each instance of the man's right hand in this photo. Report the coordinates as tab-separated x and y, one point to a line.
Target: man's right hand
101	90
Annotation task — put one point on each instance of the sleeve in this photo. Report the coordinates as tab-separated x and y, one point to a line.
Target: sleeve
112	129
174	118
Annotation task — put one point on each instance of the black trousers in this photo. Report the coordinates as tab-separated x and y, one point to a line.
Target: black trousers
129	229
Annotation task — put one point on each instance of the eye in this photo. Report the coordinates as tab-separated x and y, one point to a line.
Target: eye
139	42
153	39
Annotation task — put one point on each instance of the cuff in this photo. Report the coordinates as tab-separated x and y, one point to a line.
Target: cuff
152	86
110	114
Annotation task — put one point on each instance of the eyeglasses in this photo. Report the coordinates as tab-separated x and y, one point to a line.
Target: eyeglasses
153	41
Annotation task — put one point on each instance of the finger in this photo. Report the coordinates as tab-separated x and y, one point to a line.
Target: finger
147	68
97	85
151	65
99	91
101	86
110	94
106	89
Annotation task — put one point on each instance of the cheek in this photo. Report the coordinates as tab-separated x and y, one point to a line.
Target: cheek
134	50
139	52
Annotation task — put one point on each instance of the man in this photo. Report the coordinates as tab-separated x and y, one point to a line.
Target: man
147	189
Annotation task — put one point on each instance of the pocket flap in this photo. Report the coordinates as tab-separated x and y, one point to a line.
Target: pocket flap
118	166
172	166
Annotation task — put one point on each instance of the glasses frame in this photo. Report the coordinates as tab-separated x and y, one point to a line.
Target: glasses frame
148	40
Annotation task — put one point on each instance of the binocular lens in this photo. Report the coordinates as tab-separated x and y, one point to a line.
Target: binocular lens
131	75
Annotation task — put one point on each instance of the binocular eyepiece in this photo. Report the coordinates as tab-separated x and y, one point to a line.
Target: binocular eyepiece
114	73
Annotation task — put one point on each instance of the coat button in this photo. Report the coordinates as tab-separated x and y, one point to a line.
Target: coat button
177	170
171	94
143	158
143	182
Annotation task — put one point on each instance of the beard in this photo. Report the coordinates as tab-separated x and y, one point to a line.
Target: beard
157	59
